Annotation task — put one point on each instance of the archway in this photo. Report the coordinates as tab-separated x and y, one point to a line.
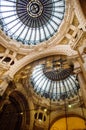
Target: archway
15	113
69	123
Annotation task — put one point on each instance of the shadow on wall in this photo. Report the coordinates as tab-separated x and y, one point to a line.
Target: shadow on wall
83	6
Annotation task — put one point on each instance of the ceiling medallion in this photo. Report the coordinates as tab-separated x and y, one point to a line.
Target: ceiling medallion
34	8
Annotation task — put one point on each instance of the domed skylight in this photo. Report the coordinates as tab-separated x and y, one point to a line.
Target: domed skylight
31	21
56	85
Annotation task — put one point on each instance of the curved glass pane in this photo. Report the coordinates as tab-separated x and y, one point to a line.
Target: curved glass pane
31	21
56	90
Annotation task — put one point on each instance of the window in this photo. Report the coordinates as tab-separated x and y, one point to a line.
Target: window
31	22
54	88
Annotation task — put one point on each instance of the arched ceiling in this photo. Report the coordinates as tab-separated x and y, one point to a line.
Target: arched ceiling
51	78
21	55
18	60
54	79
31	22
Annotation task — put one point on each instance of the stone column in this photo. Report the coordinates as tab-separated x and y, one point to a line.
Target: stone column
3	87
4	84
82	83
82	63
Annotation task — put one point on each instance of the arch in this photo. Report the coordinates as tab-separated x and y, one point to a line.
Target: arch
16	112
57	50
18	98
66	121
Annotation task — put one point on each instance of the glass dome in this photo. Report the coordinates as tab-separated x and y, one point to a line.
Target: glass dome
31	21
59	86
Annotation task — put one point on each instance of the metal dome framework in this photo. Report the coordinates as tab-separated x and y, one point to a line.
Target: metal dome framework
60	86
31	21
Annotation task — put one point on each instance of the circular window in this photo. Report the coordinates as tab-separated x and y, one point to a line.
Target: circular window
31	21
55	84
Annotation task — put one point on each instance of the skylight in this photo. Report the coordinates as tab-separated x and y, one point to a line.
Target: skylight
31	21
55	89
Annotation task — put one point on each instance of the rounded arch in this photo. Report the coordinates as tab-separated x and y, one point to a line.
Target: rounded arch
57	50
21	103
67	122
15	112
